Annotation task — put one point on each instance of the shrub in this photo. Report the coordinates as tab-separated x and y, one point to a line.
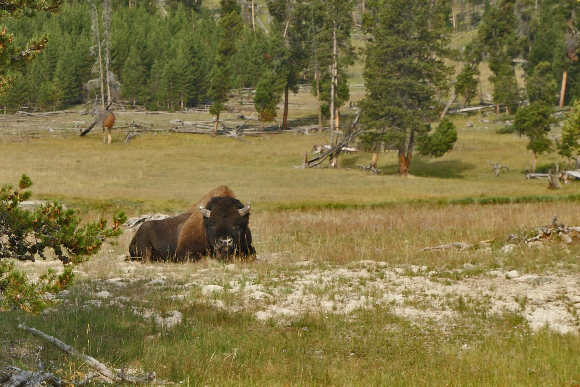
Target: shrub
26	235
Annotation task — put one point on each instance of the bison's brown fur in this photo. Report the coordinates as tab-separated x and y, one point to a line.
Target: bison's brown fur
177	237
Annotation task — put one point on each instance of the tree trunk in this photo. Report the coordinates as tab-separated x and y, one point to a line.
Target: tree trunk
534	158
333	84
285	116
96	29
374	161
253	17
454	16
319	104
406	154
363	6
217	120
404	161
563	90
107	24
261	124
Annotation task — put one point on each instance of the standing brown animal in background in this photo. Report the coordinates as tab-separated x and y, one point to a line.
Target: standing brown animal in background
107	119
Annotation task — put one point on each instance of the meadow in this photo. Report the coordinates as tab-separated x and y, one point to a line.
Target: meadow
340	292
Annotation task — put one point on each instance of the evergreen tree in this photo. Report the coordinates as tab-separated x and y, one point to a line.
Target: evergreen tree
556	42
541	86
497	37
333	53
404	72
439	142
290	25
569	145
534	121
132	77
26	235
267	97
466	84
231	24
14	56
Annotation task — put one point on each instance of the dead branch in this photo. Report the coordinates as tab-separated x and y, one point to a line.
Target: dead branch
15	377
336	149
240	127
43	114
103	371
458	245
448	104
498	167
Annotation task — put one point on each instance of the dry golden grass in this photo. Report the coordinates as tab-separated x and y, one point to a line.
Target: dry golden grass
168	172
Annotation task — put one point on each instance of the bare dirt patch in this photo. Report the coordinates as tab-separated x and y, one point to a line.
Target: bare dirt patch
283	293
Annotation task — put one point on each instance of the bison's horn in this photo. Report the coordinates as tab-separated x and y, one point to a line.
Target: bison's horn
246	210
206	213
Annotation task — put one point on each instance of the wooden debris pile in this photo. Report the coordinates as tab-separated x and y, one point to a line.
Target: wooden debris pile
567	234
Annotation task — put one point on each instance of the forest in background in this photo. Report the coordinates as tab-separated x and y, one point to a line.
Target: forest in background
167	57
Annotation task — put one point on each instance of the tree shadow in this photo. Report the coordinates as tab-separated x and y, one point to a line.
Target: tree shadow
426	167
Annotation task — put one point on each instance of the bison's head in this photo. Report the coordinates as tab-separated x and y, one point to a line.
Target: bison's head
225	220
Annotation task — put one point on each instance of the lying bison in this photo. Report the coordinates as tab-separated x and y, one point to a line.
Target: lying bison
216	225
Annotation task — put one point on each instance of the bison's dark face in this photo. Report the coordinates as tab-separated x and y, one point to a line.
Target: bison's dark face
225	220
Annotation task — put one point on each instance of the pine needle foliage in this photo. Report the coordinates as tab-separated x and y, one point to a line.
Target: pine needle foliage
14	57
404	71
26	235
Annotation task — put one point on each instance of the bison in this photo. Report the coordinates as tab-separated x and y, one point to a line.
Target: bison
216	225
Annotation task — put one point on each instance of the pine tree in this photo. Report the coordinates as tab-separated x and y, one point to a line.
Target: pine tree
267	97
14	57
333	53
540	84
534	121
569	145
466	85
133	76
289	23
404	72
497	38
27	235
439	142
231	24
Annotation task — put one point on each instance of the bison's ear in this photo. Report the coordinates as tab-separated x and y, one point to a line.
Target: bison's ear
206	213
246	210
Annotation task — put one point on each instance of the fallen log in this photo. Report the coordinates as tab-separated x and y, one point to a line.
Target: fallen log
458	245
99	367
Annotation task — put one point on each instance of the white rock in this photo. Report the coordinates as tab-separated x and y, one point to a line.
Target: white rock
156	281
536	244
103	294
512	274
508	248
208	289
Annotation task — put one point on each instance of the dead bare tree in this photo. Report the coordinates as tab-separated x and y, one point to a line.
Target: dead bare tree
497	167
335	150
553	180
106	76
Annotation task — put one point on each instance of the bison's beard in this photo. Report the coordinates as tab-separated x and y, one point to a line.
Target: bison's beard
225	252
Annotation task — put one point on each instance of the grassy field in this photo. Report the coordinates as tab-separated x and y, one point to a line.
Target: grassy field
340	293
